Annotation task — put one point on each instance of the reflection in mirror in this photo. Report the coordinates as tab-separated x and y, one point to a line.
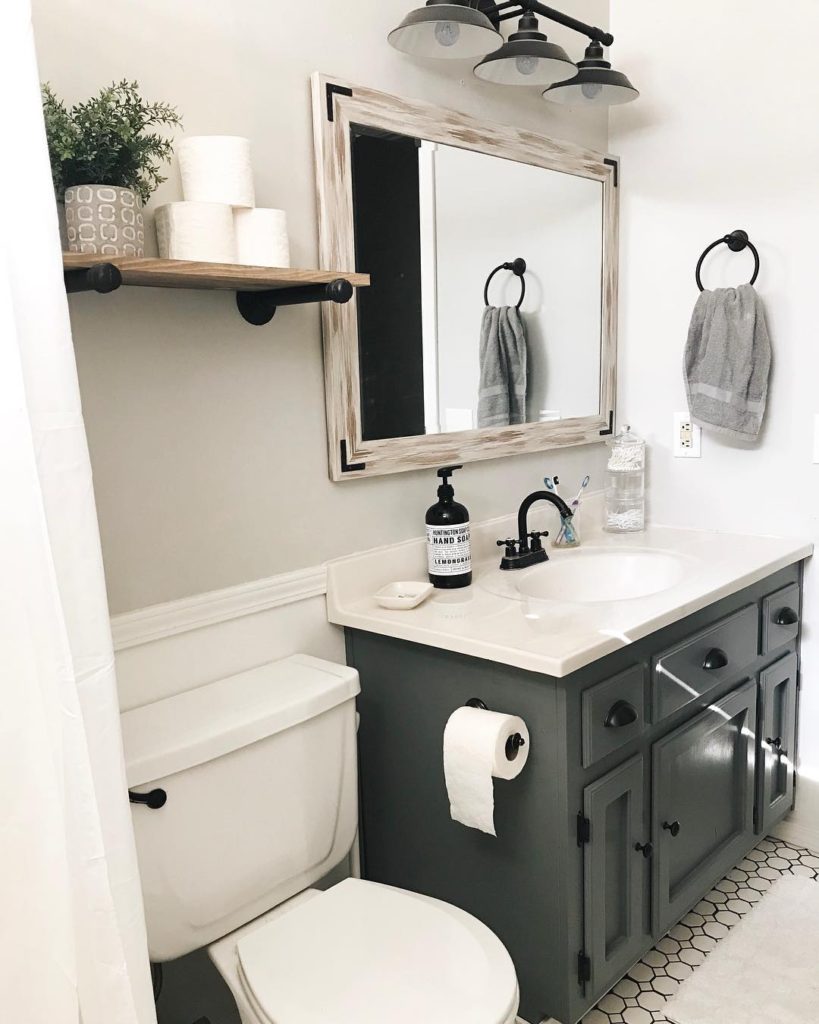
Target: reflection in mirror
432	222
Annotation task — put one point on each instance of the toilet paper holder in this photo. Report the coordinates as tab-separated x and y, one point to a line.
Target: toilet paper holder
513	744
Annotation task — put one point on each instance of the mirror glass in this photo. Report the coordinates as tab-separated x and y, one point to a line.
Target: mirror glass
431	223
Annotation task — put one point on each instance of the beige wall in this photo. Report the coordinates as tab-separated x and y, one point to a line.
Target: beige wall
207	435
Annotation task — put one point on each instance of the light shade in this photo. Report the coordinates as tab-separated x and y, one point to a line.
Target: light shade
445	28
527	58
595	84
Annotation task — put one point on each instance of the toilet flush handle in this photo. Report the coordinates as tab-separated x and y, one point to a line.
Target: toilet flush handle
155	799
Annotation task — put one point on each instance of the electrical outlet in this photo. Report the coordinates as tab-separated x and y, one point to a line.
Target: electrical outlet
687	437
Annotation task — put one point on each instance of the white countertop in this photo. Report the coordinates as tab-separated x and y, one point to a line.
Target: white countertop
552	637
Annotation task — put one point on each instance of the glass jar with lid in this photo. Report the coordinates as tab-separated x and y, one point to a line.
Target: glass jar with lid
625	484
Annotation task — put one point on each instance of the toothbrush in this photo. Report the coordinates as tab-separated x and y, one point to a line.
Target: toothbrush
551	485
575	503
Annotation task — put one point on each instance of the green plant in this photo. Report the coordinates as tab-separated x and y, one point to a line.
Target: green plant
107	141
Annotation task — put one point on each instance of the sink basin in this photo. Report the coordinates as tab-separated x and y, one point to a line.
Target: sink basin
590	576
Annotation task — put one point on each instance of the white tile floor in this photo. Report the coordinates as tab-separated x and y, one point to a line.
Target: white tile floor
639	998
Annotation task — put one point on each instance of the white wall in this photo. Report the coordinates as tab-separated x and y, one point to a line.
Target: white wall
489	212
725	136
207	435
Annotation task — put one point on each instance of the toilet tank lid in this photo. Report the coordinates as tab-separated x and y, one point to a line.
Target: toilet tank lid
190	728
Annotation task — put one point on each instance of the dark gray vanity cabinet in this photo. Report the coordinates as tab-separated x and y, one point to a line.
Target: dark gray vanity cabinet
651	773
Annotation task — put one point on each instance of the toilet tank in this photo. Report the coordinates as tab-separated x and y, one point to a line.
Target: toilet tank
260	775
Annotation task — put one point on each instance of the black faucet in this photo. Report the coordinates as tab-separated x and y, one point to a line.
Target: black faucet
528	549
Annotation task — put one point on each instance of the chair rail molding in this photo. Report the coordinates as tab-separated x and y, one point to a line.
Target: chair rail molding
145	625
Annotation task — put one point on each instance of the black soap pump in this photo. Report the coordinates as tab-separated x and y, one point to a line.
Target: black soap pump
448	552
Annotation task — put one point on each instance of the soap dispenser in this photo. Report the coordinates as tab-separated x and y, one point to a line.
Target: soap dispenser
449	556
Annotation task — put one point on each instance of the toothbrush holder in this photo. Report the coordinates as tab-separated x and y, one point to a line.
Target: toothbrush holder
567	536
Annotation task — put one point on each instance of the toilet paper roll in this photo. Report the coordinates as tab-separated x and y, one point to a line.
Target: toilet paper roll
196	231
216	169
261	238
475	753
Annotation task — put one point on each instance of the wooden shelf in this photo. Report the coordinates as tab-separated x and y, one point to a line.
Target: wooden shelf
259	290
156	273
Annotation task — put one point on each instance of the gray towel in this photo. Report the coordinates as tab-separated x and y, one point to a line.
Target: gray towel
727	362
502	392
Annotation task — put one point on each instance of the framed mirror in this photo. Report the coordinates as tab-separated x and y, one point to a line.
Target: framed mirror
490	326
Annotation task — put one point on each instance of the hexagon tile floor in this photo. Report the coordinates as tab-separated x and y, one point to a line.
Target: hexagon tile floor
641	995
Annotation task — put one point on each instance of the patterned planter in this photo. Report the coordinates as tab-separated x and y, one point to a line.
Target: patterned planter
105	220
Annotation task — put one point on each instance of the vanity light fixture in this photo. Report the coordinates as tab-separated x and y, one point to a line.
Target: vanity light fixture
595	83
457	29
450	29
526	58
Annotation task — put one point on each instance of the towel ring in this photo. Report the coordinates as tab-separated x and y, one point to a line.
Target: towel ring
518	268
736	242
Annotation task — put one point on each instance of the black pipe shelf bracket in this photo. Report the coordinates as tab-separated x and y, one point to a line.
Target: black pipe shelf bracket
259	308
256	307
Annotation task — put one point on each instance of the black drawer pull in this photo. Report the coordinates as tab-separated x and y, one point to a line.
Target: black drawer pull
715	659
645	848
155	799
776	746
786	617
673	827
621	713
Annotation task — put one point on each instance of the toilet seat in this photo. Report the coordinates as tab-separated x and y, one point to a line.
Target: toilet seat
363	953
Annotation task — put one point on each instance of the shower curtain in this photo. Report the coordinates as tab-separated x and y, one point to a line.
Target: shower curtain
72	932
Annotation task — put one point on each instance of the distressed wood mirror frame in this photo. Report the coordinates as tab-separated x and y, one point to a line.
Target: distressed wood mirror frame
337	105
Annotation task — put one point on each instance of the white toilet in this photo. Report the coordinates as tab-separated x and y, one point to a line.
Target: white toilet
260	775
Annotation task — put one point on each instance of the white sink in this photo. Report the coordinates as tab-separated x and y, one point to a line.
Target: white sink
601	575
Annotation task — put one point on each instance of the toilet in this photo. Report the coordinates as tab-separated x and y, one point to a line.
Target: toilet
259	776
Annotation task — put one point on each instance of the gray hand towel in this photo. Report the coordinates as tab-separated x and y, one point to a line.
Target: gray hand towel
502	392
727	362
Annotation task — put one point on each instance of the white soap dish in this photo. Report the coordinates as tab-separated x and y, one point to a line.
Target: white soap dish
403	595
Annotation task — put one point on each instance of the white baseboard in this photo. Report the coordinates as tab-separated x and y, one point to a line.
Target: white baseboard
163	620
798	835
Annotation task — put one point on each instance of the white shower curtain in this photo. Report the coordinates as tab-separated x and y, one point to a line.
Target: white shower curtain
72	932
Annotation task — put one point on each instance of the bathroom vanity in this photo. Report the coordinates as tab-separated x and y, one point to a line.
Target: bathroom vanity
662	746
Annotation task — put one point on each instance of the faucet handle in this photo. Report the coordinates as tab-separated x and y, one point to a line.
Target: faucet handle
511	546
535	536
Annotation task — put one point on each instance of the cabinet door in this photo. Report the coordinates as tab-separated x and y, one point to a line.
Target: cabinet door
703	800
776	742
614	876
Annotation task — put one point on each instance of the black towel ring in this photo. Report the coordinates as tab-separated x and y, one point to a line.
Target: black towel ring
736	242
518	268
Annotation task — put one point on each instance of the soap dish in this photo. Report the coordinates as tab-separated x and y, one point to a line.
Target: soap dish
403	595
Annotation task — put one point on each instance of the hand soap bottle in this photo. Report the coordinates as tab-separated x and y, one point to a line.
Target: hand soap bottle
449	557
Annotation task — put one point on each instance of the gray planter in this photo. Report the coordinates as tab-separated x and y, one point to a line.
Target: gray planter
104	220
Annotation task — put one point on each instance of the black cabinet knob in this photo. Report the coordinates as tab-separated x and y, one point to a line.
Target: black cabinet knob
645	848
776	746
715	659
619	714
673	827
155	799
786	617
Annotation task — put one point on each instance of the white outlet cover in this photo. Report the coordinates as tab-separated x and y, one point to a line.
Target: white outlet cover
687	439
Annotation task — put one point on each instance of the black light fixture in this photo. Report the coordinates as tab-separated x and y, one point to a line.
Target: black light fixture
457	29
595	83
453	29
526	58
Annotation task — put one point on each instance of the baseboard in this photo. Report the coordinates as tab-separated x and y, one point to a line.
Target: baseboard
797	835
163	620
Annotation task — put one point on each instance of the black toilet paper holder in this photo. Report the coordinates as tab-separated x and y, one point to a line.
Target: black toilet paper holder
515	741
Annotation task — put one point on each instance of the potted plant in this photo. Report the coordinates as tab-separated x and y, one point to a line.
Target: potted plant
105	160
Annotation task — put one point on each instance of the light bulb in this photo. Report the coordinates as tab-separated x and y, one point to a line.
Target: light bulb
526	64
591	90
447	33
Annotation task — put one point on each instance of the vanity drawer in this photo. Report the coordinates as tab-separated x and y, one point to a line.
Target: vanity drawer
613	714
780	618
698	664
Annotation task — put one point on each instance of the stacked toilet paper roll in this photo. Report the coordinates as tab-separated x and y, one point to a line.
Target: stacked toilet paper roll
196	231
217	169
218	222
475	752
261	237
